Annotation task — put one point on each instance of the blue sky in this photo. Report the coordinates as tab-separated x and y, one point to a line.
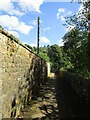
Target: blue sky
19	17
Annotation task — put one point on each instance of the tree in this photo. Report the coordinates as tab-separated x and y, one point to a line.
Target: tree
55	55
75	45
28	46
82	26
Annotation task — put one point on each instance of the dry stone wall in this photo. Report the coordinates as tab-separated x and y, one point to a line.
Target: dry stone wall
21	73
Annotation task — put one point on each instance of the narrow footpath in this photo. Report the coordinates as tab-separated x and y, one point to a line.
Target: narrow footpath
56	101
45	106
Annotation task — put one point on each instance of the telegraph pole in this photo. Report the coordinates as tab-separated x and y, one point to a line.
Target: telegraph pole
38	36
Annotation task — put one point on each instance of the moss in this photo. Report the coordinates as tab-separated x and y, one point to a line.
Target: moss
13	113
17	101
0	26
9	35
24	102
14	38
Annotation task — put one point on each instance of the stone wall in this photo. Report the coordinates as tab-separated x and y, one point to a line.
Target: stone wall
21	73
79	84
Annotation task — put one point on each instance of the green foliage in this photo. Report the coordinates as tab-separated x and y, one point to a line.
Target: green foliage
43	53
55	55
75	55
44	56
67	62
0	26
77	43
63	58
44	49
28	46
84	72
34	49
14	38
10	35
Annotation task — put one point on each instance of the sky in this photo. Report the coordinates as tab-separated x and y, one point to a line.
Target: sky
19	17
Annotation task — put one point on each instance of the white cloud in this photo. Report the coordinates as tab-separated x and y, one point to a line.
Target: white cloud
62	13
57	0
80	11
33	44
24	43
45	40
8	6
65	0
68	13
15	12
5	5
60	10
81	8
13	23
14	33
46	29
22	7
62	18
23	28
58	15
34	22
61	43
30	5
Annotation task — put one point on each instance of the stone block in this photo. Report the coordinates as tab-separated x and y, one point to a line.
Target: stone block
21	71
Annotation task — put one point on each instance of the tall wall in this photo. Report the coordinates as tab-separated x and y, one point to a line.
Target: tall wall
21	73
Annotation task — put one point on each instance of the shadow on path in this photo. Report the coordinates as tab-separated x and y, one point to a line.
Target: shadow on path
70	105
56	101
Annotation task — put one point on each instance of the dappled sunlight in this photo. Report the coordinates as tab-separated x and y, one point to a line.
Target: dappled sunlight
45	105
51	76
48	76
56	100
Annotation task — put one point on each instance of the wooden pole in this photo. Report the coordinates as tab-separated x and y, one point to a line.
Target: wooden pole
38	36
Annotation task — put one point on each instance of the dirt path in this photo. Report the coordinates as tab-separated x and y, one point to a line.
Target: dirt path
45	106
56	101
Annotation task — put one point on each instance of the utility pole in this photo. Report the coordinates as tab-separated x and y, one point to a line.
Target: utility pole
38	36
